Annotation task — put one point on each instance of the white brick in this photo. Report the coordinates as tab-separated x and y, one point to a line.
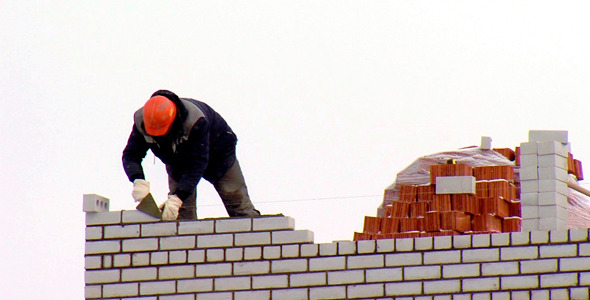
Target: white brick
254	238
93	203
252	253
346	277
574	264
94	233
177	257
327	249
196	227
552	160
135	245
455	185
500	239
403	288
528	148
122	260
273	223
481	284
403	259
529	186
417	273
346	247
233	225
253	267
195	285
579	293
327	263
553	198
196	256
158	229
101	276
442	257
539	237
159	258
177	242
367	246
139	274
461	270
559	280
107	261
98	247
529	225
289	265
216	296
232	283
499	268
292	237
585	278
520	295
552	223
442	286
559	294
558	250
584	249
519	253
528	160
175	297
175	272
120	290
404	244
540	295
251	295
308	250
552	147
365	290
383	275
118	231
157	287
520	238
234	254
135	216
308	279
92	291
480	240
559	236
385	245
424	243
140	259
93	262
270	281
332	292
214	241
462	241
288	251
366	261
538	266
578	235
443	242
548	135
214	270
520	282
289	294
271	252
529	173
481	255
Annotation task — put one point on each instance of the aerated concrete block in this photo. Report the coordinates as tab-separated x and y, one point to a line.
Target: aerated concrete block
455	185
548	135
552	160
486	143
528	148
552	147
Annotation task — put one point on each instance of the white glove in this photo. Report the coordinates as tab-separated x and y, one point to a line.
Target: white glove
141	188
170	208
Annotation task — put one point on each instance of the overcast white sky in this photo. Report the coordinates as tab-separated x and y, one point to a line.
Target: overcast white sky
329	99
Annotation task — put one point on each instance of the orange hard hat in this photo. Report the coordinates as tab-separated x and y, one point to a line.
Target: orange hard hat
158	115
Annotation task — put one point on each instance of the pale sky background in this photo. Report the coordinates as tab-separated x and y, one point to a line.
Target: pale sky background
329	99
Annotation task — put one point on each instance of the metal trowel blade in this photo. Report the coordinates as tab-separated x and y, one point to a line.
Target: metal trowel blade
148	206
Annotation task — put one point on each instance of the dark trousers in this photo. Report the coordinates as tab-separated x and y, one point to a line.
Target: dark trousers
232	190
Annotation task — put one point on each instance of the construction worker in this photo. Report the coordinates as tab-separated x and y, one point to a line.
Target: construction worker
193	141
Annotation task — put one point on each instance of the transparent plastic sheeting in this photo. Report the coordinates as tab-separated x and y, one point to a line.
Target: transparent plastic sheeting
418	173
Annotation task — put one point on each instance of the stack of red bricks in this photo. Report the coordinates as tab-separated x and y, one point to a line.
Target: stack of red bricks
420	211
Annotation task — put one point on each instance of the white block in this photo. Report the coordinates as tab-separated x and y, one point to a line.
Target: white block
233	225
528	173
548	135
530	212
553	211
177	242
292	237
529	186
552	147
365	261
455	185
552	160
528	160
552	198
95	203
254	238
549	185
528	148
552	224
196	227
552	173
530	225
365	291
486	143
528	199
249	268
273	223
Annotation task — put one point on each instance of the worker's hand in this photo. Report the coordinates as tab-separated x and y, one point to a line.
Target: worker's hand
170	208
141	188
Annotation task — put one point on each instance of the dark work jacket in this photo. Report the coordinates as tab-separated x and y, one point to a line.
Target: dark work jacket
199	144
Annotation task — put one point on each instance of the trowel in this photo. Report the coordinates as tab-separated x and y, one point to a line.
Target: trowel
148	206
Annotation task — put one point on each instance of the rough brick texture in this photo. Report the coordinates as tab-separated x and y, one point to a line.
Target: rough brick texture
266	258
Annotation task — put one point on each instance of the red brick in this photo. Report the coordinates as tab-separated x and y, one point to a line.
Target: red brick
486	223
494	206
432	221
455	220
408	193
425	193
441	202
512	225
506	152
408	224
372	224
418	209
517	156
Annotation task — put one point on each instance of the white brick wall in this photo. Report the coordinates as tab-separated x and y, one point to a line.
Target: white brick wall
266	258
